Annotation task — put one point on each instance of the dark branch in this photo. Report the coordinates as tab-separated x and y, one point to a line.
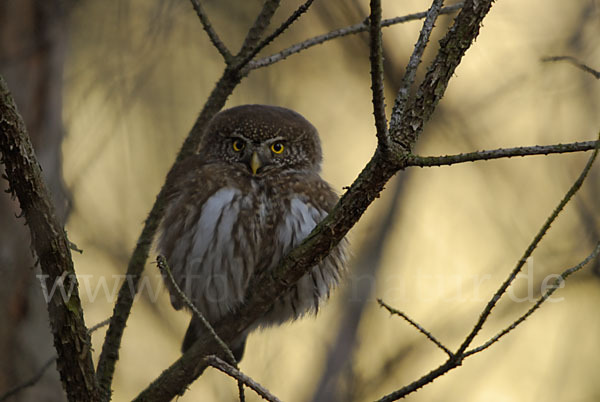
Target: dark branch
268	286
285	25
574	62
417	326
29	383
231	371
532	246
553	288
214	38
446	160
165	270
414	61
49	240
376	59
338	33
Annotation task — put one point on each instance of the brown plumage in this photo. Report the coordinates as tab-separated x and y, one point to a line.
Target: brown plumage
251	194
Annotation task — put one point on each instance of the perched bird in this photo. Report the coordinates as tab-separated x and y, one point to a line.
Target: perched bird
250	195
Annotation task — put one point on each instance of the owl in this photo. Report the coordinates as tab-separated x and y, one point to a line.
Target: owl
236	208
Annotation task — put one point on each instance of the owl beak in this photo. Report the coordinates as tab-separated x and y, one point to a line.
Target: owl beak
255	163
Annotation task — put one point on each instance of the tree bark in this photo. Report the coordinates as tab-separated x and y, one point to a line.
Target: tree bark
32	52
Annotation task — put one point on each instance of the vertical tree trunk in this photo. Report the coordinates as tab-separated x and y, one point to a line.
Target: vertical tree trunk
32	52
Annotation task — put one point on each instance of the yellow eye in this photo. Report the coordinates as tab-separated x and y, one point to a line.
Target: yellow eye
277	147
238	145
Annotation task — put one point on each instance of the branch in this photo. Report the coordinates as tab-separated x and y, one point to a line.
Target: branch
532	246
414	61
574	62
29	383
219	364
285	25
42	370
165	270
417	326
71	339
214	38
446	160
556	285
232	76
268	286
462	353
452	49
376	59
255	32
338	33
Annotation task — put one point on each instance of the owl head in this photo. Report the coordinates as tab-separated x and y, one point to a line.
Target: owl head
262	140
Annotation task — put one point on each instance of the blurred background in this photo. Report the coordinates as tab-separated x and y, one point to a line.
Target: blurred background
110	89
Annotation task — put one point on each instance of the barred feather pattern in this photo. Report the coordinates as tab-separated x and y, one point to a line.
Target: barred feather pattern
215	242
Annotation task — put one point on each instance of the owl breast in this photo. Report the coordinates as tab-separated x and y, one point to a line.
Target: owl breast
235	234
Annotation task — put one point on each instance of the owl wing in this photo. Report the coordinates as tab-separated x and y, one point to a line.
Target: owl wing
184	231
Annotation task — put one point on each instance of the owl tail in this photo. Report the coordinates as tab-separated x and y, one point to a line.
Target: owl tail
196	328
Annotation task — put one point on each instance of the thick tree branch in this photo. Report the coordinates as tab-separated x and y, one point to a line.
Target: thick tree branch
446	160
49	240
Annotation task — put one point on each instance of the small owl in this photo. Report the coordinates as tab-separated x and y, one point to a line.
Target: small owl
251	194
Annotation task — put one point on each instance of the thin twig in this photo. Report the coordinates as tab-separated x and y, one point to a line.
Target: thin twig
212	34
556	285
165	270
285	25
417	326
532	246
414	61
376	59
338	33
446	160
99	325
575	62
31	382
458	356
221	365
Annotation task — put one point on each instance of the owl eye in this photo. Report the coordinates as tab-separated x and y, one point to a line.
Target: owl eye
277	147
238	145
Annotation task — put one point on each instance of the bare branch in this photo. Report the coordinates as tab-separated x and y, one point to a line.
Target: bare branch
221	365
29	383
446	160
414	61
376	59
99	325
214	38
49	240
165	270
338	33
260	24
575	62
458	357
532	246
556	285
285	25
417	326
